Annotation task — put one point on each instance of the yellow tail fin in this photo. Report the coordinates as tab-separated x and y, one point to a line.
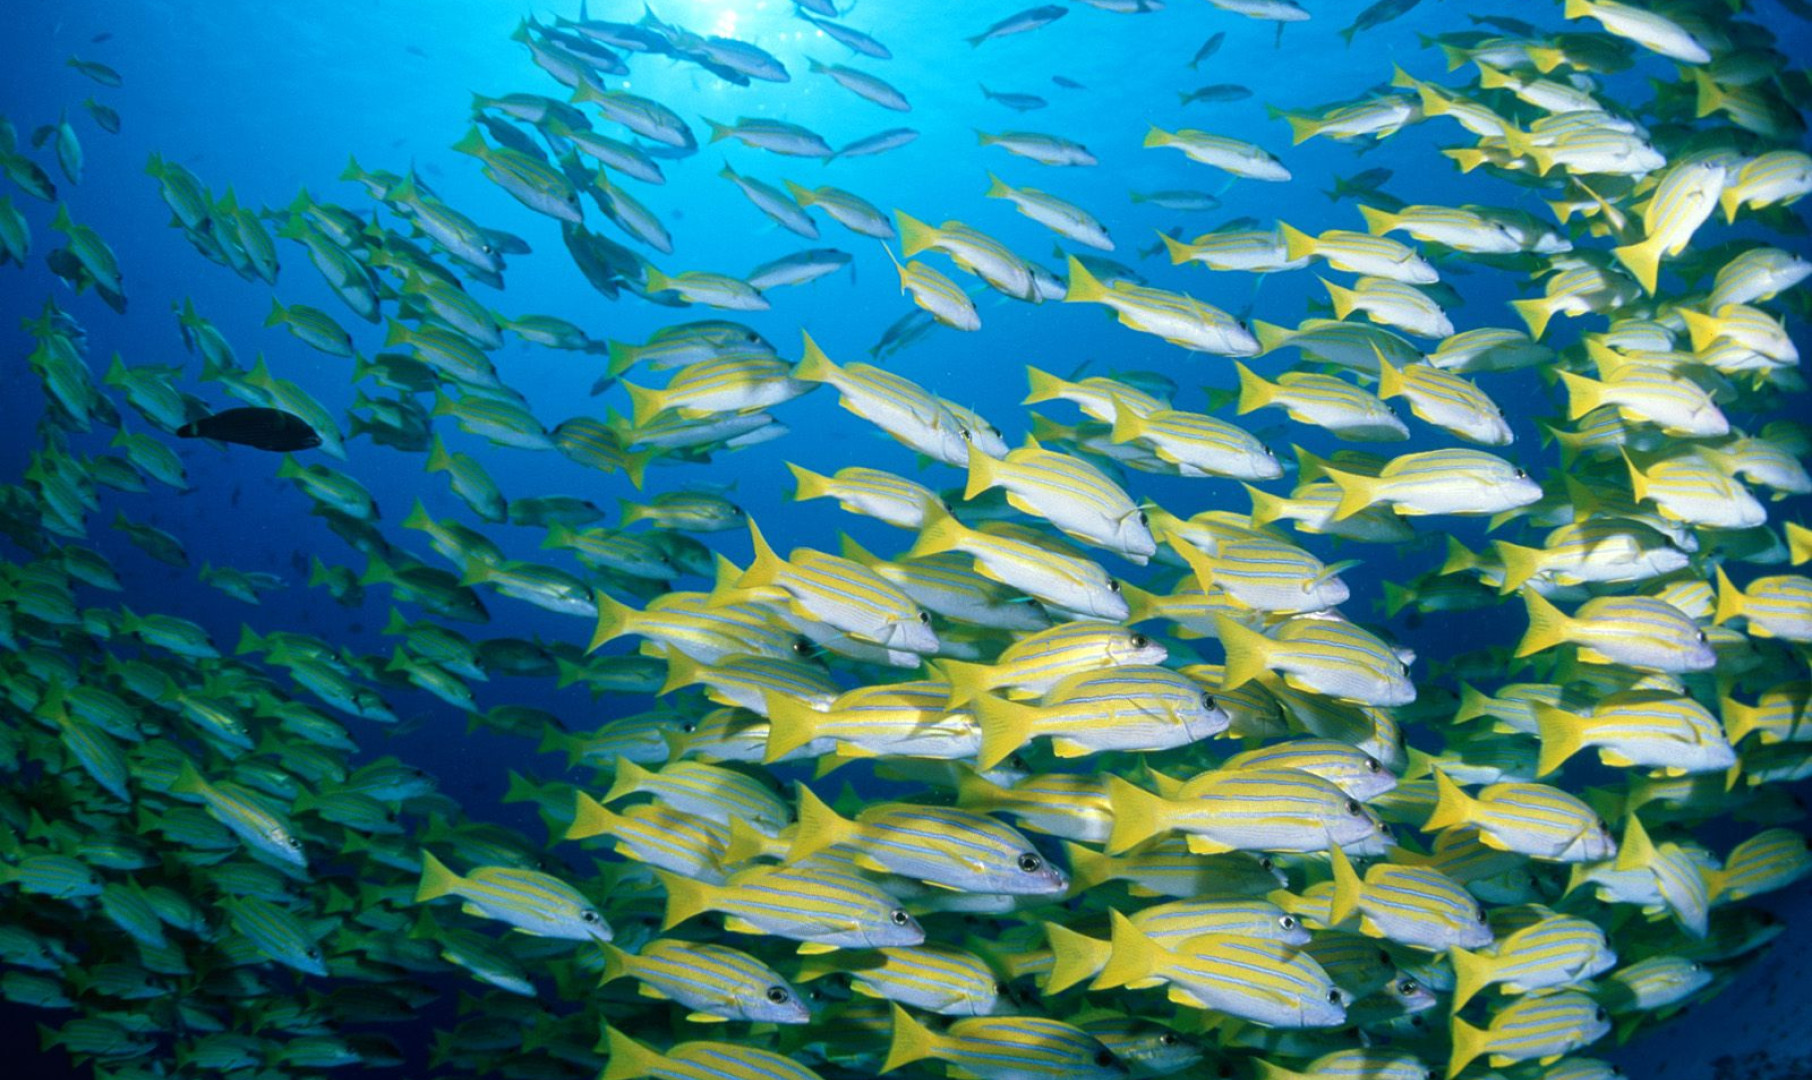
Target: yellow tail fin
1468	1043
1297	244
1043	385
1084	287
1074	957
1134	955
1471	973
685	898
1562	736
1520	564
1583	394
1247	652
1643	260
1005	726
813	365
1548	626
984	473
1452	806
1378	222
1730	600
819	827
629	1060
1254	391
791	724
590	818
1356	492
437	881
1138	815
915	235
808	484
1347	888
912	1041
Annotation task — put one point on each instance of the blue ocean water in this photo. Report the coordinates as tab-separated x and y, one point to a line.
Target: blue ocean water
270	99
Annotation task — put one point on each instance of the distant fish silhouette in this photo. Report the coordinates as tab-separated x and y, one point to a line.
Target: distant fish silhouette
265	429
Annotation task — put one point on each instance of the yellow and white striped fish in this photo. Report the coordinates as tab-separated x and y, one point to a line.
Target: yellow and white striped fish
1360	253
1536	820
1445	400
871	492
1391	303
1438	482
1350	412
1651	729
1551	951
1544	1027
1197	444
1129	708
956	849
932	977
1065	582
1222	152
1416	906
1636	630
894	404
1327	656
707	791
1686	196
530	901
1003	1048
1774	606
1035	664
1068	492
819	902
1282	810
1178	319
839	592
1253	979
715	981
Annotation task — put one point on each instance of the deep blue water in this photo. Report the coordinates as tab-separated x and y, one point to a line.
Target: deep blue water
267	99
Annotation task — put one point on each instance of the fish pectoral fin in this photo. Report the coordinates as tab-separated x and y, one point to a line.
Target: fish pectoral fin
707	1018
814	948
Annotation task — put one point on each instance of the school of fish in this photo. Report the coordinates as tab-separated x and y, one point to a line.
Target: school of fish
1059	784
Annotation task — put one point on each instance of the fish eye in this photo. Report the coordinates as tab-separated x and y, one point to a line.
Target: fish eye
1031	863
1288	922
1521	474
1384	958
899	917
589	916
688	728
1139	641
1352	807
1267	864
1371	764
1144	518
312	952
1112	585
1701	635
802	646
1407	987
1334	997
1169	1038
1598	1014
1270	453
1104	1058
925	617
1000	988
778	995
1208	702
1479	915
947	507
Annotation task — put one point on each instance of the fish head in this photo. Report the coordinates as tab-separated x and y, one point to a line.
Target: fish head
1325	1008
1132	537
894	926
776	1004
1204	718
912	634
1133	647
1032	874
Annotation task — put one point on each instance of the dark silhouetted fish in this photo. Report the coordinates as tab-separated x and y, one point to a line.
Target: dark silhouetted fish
265	429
